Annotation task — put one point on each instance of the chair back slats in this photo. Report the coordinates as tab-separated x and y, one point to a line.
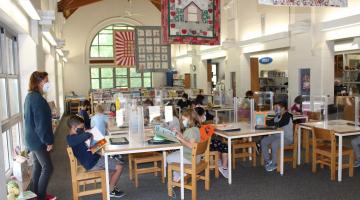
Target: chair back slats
323	134
73	161
200	148
314	116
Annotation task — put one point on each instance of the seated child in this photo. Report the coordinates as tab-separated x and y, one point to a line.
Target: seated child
356	146
100	120
84	109
215	145
188	138
282	119
76	140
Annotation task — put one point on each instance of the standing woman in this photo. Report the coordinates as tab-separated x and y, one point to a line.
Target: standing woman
39	137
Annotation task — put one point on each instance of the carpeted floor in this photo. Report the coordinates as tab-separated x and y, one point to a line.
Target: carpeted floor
249	183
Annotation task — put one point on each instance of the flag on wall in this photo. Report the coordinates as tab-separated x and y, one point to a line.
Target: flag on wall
316	3
124	48
191	21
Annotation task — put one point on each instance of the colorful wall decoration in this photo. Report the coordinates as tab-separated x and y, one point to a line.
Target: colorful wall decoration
191	21
124	48
316	3
151	55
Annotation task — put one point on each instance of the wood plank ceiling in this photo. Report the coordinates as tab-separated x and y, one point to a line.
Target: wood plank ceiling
68	7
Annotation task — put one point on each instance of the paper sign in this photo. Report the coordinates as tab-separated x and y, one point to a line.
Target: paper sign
154	111
169	114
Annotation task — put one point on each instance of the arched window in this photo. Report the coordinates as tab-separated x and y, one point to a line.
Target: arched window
103	72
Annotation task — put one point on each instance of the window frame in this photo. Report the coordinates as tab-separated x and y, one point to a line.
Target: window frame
9	70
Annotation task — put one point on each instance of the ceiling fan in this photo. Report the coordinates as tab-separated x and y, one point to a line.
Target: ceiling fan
129	13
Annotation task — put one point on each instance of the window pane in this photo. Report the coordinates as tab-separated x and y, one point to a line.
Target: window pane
6	151
147	74
107	83
95	84
14	96
3	101
106	31
95	40
135	82
94	72
94	51
106	72
121	71
121	82
106	39
133	73
15	135
147	82
106	51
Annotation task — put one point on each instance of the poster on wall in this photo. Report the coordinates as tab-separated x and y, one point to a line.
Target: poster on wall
315	3
191	21
124	48
151	55
305	81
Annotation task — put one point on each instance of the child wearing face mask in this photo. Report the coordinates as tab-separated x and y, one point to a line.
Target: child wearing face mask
187	138
76	140
282	119
216	144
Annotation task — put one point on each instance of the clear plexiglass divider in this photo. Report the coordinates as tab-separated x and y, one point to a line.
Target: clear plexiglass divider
244	110
264	100
122	104
136	124
315	106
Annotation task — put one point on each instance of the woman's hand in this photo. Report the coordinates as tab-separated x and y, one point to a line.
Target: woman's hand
49	147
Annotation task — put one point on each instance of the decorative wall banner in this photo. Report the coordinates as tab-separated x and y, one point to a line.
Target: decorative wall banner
124	48
191	21
315	3
305	81
151	55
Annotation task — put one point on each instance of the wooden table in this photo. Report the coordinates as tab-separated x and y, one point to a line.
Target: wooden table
341	129
247	132
136	147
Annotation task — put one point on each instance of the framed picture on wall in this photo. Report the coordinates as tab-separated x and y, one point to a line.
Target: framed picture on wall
305	81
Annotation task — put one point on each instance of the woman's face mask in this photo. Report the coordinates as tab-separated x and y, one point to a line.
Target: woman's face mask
46	87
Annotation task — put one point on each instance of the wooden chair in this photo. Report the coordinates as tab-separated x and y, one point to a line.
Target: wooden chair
241	149
312	116
292	148
193	171
141	158
81	178
325	152
213	162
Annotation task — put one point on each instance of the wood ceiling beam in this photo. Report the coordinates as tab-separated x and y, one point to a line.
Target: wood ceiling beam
157	4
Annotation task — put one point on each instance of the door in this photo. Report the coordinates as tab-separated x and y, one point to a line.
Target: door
187	81
254	74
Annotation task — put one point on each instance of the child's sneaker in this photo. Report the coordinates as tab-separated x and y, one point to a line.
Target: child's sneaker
224	172
50	197
117	193
267	163
271	167
357	164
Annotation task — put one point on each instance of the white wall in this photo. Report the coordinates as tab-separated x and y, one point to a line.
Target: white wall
79	30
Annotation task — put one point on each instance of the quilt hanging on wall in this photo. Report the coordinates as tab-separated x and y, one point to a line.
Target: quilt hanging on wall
151	55
319	3
124	48
191	21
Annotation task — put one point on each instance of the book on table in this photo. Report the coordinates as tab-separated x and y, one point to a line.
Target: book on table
97	142
162	133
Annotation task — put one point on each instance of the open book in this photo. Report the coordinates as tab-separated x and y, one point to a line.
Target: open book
165	133
97	142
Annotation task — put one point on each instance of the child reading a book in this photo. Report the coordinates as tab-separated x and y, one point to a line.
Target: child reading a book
100	120
76	140
216	144
187	138
282	119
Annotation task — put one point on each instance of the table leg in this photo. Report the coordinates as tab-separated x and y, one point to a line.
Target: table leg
340	158
164	163
229	161
107	176
216	117
282	153
182	172
299	145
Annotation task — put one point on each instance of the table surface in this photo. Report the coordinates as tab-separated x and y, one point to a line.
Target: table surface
246	130
338	126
